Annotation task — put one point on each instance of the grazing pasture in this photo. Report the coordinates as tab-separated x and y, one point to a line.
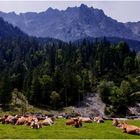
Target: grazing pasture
61	131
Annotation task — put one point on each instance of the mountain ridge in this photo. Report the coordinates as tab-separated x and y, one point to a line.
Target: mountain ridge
70	24
9	32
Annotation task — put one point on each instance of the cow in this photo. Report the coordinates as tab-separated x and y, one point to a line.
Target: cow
78	123
117	123
22	120
47	121
6	119
29	119
9	119
130	129
14	119
3	119
71	121
98	120
35	124
85	119
74	122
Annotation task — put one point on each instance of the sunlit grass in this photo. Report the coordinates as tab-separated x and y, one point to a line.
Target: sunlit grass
61	131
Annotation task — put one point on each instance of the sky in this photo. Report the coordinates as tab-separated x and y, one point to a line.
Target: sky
123	11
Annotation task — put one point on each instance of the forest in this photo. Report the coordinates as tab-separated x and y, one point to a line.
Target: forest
56	74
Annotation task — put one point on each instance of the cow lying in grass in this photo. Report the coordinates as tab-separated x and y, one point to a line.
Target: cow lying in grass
22	120
35	124
33	121
78	123
98	120
9	119
74	122
85	119
3	119
70	122
47	121
117	123
130	129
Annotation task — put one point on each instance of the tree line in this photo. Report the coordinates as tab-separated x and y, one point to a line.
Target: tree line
55	74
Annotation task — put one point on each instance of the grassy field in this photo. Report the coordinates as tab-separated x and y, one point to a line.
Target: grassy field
61	131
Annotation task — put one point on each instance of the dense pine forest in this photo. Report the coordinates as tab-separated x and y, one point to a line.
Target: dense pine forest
54	74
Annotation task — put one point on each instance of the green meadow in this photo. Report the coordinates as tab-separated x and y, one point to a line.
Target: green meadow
61	131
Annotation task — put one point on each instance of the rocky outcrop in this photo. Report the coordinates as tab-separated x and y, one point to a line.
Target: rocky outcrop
91	106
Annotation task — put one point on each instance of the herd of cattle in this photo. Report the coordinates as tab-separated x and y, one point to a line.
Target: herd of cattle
35	121
77	122
38	121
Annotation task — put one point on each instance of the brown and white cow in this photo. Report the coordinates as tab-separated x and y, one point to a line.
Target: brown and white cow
74	122
85	119
98	119
78	123
130	129
117	123
3	119
70	121
35	124
47	121
11	119
29	119
22	120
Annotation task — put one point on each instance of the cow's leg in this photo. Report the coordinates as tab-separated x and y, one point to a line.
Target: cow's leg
124	130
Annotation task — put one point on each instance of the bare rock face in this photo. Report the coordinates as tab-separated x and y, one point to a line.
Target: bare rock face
135	110
91	106
71	24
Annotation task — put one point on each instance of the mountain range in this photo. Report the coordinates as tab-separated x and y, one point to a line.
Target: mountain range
72	24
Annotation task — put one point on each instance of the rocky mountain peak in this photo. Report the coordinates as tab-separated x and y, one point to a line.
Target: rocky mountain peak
83	6
71	24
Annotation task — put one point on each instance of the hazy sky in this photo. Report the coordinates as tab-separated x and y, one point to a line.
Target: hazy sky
123	11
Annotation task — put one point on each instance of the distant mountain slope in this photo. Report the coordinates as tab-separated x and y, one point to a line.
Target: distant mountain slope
8	31
134	26
70	24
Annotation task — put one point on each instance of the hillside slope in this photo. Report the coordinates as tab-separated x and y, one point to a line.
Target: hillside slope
8	31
